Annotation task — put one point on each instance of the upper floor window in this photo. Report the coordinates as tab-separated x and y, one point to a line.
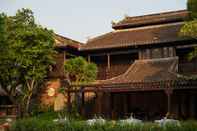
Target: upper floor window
152	53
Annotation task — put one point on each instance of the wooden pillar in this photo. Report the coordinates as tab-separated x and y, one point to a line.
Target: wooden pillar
108	61
125	102
108	67
169	93
99	103
148	54
107	104
140	55
64	55
192	105
83	103
89	58
169	102
64	62
113	114
69	102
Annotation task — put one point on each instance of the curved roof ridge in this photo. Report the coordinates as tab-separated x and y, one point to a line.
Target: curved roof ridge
157	14
151	19
62	41
147	70
150	27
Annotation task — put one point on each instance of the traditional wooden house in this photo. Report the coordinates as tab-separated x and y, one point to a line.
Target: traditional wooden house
142	66
65	48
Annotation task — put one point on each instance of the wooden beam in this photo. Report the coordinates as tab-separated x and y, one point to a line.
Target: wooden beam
139	86
186	46
116	53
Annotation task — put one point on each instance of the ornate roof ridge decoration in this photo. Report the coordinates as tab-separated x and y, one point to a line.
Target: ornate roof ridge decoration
151	19
62	42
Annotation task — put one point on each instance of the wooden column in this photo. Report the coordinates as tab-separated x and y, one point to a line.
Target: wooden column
83	103
107	105
125	102
64	56
89	58
69	102
140	55
108	61
64	61
113	115
192	105
148	54
169	93
108	67
99	103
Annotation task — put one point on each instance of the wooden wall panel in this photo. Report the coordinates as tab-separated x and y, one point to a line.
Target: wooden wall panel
58	68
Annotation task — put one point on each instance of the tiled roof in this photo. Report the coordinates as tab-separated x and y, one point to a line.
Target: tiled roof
136	36
150	70
153	19
61	41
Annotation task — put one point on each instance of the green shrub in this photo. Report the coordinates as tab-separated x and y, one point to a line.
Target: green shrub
37	124
189	126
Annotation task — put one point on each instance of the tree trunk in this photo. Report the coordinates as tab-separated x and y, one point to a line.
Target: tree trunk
27	104
27	98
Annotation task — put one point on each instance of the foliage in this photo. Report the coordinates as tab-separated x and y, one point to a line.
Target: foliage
192	8
27	54
8	67
80	71
189	29
36	124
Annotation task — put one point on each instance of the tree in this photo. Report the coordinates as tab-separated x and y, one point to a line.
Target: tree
9	72
80	71
192	8
189	29
28	53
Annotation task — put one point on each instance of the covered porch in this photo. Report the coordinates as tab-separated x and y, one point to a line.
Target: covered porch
145	100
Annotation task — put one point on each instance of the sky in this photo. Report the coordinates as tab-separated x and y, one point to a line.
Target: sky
84	19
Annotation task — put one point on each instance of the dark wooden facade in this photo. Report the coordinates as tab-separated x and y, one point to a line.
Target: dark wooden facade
137	41
65	48
120	100
142	66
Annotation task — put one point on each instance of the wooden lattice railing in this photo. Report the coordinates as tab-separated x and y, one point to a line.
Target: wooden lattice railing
8	111
138	86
